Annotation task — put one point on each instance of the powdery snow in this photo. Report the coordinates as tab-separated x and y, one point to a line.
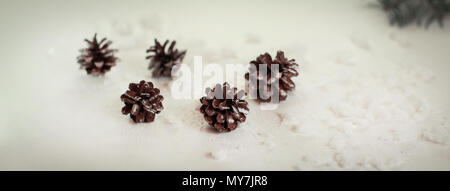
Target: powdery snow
369	96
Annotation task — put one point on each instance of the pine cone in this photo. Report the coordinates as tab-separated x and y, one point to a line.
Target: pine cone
279	84
162	62
97	59
222	107
142	102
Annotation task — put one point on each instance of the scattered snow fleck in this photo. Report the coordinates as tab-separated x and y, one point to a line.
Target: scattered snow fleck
123	28
438	132
253	39
152	23
399	40
316	162
219	154
344	58
51	52
268	144
360	41
421	73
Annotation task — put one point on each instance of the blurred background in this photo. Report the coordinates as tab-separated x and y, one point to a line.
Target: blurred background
370	95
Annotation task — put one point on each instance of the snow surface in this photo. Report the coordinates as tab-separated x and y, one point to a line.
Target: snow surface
369	96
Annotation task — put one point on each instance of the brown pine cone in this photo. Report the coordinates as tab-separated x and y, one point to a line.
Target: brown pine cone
279	84
97	59
223	107
142	102
161	61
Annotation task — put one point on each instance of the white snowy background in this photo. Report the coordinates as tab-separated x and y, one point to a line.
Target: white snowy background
370	96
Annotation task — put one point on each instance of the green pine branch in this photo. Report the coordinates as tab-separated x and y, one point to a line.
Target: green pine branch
404	12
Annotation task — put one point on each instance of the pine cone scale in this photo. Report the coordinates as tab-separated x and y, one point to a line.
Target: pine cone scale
126	109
